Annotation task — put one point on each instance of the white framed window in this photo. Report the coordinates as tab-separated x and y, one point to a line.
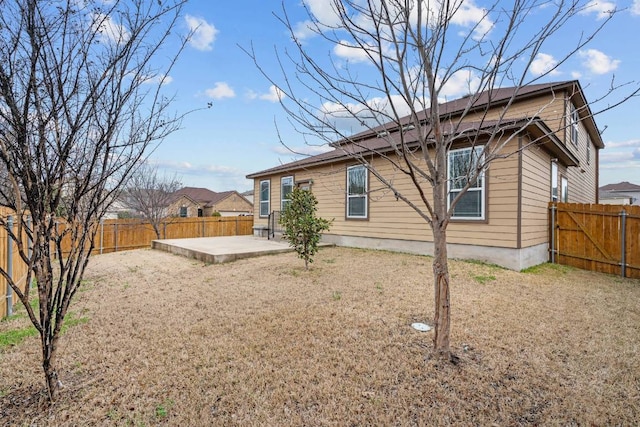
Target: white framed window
265	190
575	119
564	196
588	150
357	188
554	181
462	164
286	187
183	211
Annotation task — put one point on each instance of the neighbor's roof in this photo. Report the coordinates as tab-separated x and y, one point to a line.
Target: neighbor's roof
621	186
221	196
197	194
370	141
203	196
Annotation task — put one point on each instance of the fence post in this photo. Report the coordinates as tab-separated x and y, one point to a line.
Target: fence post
623	240
115	237
237	225
101	235
553	233
164	227
9	265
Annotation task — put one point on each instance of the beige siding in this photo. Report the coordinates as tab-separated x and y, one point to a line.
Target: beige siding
390	218
583	179
192	208
233	203
536	194
547	107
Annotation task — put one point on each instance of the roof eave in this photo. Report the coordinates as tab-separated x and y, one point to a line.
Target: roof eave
552	143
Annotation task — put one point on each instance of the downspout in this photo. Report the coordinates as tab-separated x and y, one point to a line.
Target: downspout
597	175
519	207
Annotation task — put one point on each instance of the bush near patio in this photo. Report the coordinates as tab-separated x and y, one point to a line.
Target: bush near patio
302	228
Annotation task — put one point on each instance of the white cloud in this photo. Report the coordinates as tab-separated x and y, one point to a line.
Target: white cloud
544	63
158	79
635	8
471	16
352	117
323	12
576	75
603	9
303	30
305	150
109	31
352	53
461	83
221	90
597	62
201	169
621	144
204	34
614	159
274	94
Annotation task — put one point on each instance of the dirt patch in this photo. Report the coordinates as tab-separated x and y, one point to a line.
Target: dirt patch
264	342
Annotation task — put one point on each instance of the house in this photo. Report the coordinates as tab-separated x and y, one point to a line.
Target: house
198	202
505	218
622	193
248	195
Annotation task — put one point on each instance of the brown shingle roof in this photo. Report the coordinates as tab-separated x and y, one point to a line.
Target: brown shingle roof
197	194
620	186
203	196
369	142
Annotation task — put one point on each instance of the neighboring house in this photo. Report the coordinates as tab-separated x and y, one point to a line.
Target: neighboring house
248	195
505	218
622	193
197	202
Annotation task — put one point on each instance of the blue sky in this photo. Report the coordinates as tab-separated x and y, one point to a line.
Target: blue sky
218	146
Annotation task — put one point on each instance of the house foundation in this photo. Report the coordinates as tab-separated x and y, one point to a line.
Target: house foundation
511	258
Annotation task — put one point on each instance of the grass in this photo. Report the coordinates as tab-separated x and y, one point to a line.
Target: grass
162	410
482	279
249	343
16	336
548	268
18	332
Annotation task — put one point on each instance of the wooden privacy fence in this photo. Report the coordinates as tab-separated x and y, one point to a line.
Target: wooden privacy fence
604	238
113	235
10	262
119	235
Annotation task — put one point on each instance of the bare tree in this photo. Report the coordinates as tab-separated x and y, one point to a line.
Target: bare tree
418	48
81	102
148	193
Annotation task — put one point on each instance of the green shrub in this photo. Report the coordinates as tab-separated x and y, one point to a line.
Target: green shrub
302	228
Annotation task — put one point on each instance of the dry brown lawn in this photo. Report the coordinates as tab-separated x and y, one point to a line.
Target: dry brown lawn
171	341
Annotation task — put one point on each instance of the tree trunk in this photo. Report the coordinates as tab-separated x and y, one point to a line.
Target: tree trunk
49	352
156	228
441	286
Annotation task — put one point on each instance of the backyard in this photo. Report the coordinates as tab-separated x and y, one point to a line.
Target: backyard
160	339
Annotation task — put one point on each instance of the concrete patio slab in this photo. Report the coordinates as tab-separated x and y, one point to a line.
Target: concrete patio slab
216	250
